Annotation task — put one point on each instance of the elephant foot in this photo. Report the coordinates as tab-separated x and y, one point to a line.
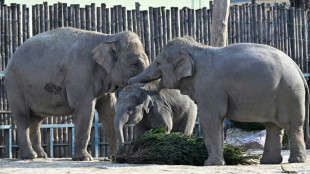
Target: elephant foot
84	156
40	152
214	162
28	154
297	159
271	159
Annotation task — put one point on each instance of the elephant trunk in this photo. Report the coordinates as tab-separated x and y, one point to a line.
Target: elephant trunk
149	74
119	123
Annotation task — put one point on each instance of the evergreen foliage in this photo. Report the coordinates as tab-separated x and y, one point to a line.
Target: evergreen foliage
156	147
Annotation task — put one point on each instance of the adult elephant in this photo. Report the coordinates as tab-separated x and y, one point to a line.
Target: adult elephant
69	71
242	82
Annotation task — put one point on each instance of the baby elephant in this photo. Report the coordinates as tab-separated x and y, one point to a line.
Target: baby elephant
144	106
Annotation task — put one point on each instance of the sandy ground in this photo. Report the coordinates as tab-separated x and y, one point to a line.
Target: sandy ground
66	165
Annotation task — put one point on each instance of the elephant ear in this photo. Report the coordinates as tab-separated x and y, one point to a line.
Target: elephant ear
148	104
105	55
184	66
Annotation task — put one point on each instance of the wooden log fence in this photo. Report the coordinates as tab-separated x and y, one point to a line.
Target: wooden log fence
280	26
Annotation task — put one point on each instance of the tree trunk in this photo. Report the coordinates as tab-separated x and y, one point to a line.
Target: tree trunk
219	23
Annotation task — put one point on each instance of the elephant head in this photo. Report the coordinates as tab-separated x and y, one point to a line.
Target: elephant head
122	56
131	105
171	65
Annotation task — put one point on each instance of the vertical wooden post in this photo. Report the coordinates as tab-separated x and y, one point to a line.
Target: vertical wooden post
168	25
99	24
14	27
151	10
146	33
173	22
197	26
87	14
42	23
291	23
60	21
51	12
55	15
264	31
305	42
18	25
241	24
45	6
107	21
159	29
138	18
120	18
141	37
83	19
34	32
124	16
205	25
93	15
156	34
129	21
182	22
176	22
103	16
77	16
66	17
113	20
259	24
163	17
24	24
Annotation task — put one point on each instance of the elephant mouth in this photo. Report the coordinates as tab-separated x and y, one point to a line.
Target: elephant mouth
112	88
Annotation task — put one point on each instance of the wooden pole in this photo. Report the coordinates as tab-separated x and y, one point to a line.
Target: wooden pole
93	16
152	53
146	33
103	16
129	21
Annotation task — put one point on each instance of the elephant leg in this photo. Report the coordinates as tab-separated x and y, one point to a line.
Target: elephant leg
211	113
213	134
273	145
35	135
106	109
188	123
297	145
83	119
22	119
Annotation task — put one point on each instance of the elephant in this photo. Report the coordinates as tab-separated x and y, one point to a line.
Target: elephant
243	82
68	71
144	106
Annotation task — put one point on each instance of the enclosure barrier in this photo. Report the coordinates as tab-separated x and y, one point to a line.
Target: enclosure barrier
280	26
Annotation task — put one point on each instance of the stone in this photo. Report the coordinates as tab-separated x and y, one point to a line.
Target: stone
246	139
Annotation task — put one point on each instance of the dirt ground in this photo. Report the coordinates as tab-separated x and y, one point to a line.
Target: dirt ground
67	166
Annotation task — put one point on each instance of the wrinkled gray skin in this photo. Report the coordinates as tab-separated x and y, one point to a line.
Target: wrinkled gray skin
142	105
69	71
242	82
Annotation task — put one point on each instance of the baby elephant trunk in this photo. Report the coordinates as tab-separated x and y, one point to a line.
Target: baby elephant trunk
119	123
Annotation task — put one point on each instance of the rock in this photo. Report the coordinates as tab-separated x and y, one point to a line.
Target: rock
247	139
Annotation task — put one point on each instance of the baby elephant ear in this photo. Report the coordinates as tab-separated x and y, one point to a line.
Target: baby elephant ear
184	66
148	104
105	55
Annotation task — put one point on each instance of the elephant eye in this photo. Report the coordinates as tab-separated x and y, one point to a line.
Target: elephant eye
136	64
157	63
129	110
